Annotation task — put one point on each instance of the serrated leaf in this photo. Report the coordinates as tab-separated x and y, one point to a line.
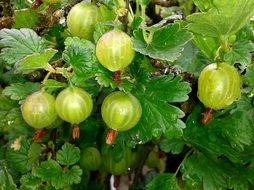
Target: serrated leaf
80	54
49	170
207	45
158	116
101	28
58	177
164	181
6	180
167	42
19	91
73	176
18	44
203	5
68	155
34	153
212	140
175	146
224	19
6	103
54	84
248	78
192	60
30	182
240	53
35	61
202	170
19	159
25	18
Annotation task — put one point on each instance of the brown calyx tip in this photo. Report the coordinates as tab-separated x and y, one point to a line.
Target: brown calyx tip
207	116
75	131
38	135
111	137
117	77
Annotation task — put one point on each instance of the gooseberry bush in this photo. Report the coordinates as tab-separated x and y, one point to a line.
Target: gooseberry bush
146	94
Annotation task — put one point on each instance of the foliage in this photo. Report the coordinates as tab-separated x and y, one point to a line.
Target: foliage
38	53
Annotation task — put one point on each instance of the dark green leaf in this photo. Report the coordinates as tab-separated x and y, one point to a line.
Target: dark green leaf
6	180
18	44
224	19
19	91
17	155
226	135
30	182
159	117
164	181
175	146
68	155
240	53
49	170
192	60
167	42
25	18
35	61
208	46
73	176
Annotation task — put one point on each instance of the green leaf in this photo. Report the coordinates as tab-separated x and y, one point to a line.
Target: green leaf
49	170
167	42
192	60
226	134
101	28
80	54
224	19
159	117
19	91
240	53
18	44
34	153
200	169
248	78
20	156
73	176
35	61
6	180
6	103
164	181
216	173
68	155
207	45
25	18
204	5
143	2
30	182
175	146
53	85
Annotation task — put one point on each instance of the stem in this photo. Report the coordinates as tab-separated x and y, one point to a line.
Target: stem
46	77
143	24
148	148
185	157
